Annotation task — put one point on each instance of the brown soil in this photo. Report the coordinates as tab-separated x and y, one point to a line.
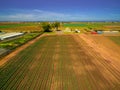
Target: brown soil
104	57
105	47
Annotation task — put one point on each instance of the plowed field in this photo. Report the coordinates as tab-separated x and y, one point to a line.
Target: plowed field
63	62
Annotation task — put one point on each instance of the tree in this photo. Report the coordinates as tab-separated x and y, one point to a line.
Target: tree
46	27
56	25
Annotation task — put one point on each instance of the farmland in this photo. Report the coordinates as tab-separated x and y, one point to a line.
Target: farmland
87	26
15	42
116	39
60	61
19	27
63	62
8	43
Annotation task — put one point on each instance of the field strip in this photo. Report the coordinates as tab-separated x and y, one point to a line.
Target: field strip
8	57
105	68
106	51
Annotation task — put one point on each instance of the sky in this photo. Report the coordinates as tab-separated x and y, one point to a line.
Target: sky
60	10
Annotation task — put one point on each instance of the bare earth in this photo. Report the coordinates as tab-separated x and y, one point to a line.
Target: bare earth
105	47
105	58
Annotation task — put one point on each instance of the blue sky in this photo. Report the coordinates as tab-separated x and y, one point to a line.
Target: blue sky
60	10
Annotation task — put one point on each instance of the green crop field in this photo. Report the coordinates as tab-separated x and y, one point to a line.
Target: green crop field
75	25
13	25
94	25
58	62
15	42
116	39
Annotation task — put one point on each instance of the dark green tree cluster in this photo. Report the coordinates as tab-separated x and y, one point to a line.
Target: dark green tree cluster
48	26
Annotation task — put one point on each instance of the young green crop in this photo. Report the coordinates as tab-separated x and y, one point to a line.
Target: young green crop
11	44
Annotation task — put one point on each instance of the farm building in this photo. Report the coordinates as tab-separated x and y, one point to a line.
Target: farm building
9	35
100	32
77	31
93	32
104	32
111	32
115	31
